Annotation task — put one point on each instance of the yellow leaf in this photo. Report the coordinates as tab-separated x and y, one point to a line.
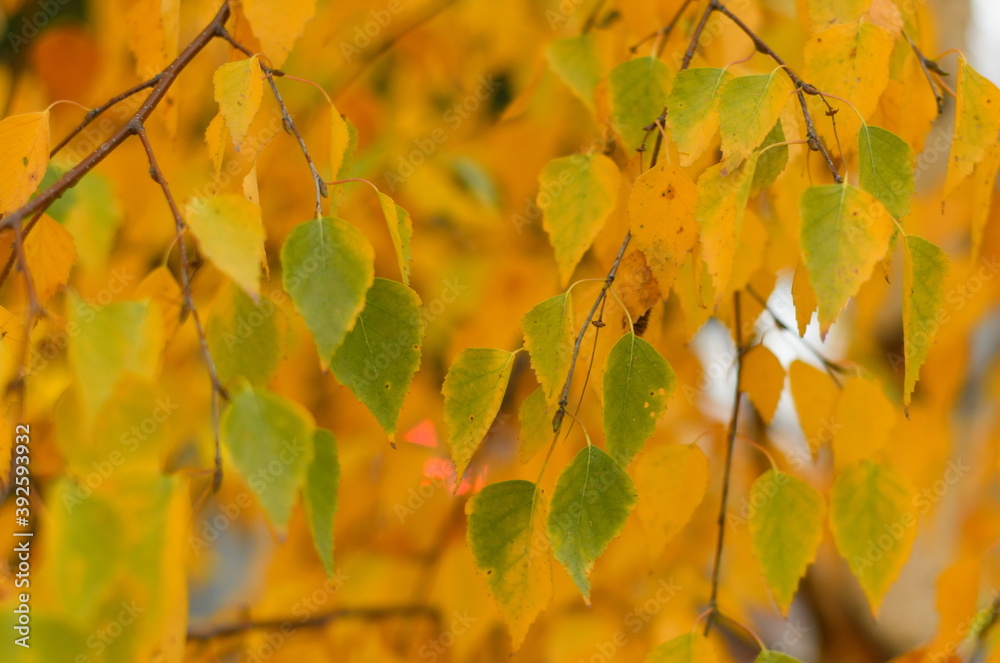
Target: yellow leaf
721	203
239	89
278	24
815	395
340	140
804	298
23	159
852	62
231	234
215	138
671	480
863	418
977	123
161	288
50	253
824	13
763	379
661	218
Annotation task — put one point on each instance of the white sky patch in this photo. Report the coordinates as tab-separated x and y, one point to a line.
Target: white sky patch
984	38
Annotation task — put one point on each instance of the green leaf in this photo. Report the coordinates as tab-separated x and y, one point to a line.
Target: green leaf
749	108
506	533
112	340
771	656
639	90
845	232
770	160
328	266
401	232
576	195
270	440
687	648
548	338
872	524
380	355
591	503
536	424
244	337
473	392
319	495
574	60
924	269
786	528
885	168
637	382
694	110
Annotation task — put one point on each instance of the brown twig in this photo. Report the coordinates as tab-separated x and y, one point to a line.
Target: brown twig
217	388
727	472
286	118
663	32
927	66
375	613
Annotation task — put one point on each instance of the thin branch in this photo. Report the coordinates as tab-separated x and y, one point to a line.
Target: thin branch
12	258
663	32
373	614
286	118
69	179
94	113
217	388
727	472
927	66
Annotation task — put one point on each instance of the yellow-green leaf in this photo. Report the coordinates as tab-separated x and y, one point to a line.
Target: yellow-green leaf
661	210
637	382
340	142
244	337
576	195
671	480
591	503
694	110
548	338
748	110
536	425
574	60
786	528
319	495
239	89
771	656
885	168
639	90
379	357
473	392
924	269
977	123
506	533
845	232
231	234
872	524
328	266
401	232
270	439
770	160
688	648
23	159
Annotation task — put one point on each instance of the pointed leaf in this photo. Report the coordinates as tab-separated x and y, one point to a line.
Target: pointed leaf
340	142
576	195
50	254
507	536
661	219
687	648
270	440
886	165
548	338
671	480
401	232
536	425
721	204
924	269
694	110
574	60
379	357
786	528
977	123
244	337
748	110
763	380
328	266
637	382
239	89
319	495
231	234
872	524
277	25
591	503
23	159
771	161
845	231
473	392
815	395
639	90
